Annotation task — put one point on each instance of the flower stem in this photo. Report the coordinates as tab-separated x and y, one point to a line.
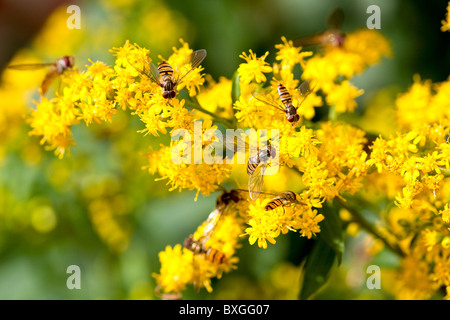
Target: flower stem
195	105
445	172
358	218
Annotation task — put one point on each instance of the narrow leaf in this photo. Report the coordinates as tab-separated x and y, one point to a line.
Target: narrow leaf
317	268
331	231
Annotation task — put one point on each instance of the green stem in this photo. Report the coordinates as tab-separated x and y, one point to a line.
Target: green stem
445	172
358	217
332	114
226	122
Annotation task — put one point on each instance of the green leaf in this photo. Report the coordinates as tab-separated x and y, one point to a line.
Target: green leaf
331	230
235	88
317	268
299	248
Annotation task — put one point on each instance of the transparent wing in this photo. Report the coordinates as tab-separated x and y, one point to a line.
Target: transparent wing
309	40
336	19
211	223
269	102
196	58
49	77
234	144
255	181
305	88
153	75
30	66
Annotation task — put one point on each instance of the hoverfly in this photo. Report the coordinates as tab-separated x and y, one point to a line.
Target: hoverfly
163	74
283	199
333	35
55	69
287	107
198	246
256	167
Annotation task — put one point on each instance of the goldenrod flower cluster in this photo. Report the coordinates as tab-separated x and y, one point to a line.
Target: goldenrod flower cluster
325	161
330	158
415	167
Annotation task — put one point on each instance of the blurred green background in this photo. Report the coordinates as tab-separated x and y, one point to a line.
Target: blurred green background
100	210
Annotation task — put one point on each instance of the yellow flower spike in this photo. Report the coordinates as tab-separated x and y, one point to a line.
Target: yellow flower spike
176	269
445	213
216	97
343	97
53	120
202	177
446	23
369	45
289	55
415	107
254	68
319	68
180	61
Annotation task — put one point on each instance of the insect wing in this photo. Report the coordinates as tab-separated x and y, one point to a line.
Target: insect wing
305	88
153	75
211	223
234	144
336	19
196	58
30	66
256	180
269	102
311	40
49	77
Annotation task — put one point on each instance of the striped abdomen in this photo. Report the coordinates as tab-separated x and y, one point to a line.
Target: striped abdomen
211	254
263	155
167	82
252	163
165	70
214	255
283	199
284	95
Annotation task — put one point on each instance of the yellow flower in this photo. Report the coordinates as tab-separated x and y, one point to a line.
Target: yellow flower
446	23
441	272
308	224
360	50
216	97
203	177
176	269
267	225
369	45
343	97
414	108
180	62
413	281
445	213
180	267
52	120
254	68
290	55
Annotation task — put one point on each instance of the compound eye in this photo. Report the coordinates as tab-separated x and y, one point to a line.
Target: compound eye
296	118
173	94
166	94
291	118
66	61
